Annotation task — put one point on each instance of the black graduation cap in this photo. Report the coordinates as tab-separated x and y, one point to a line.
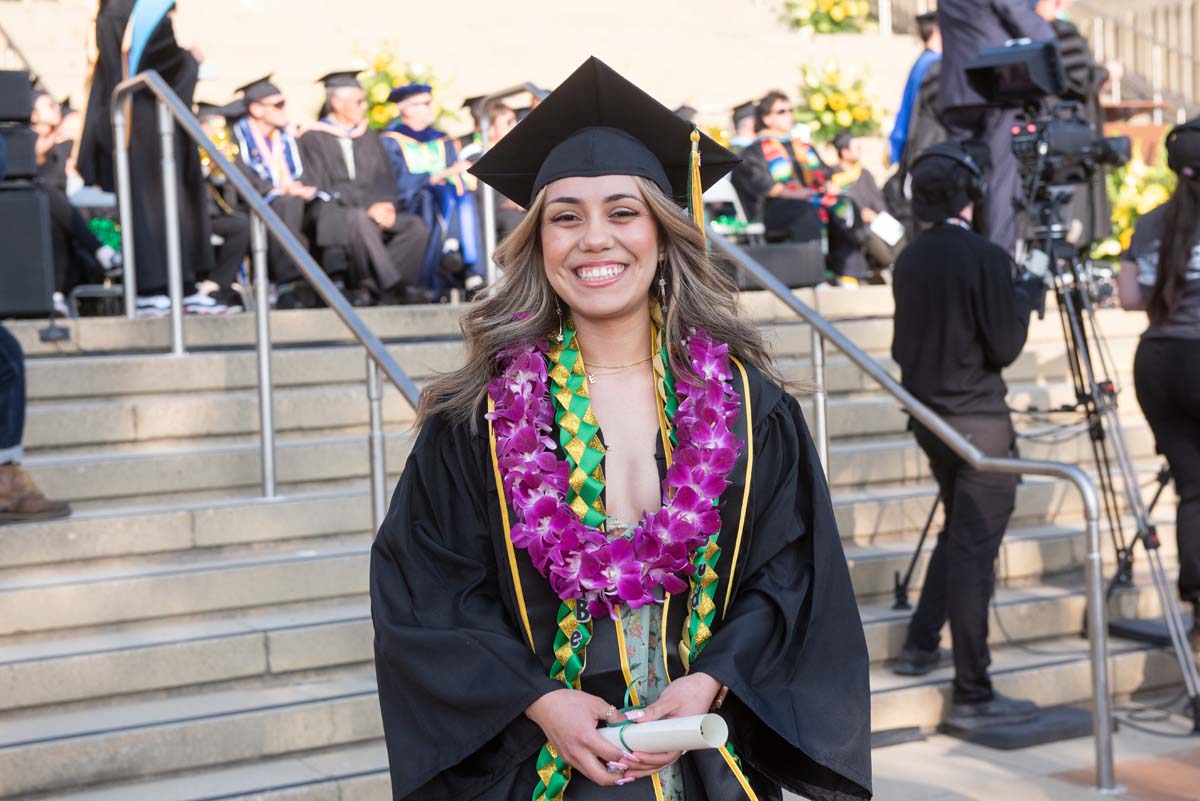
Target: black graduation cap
686	113
343	79
742	111
206	110
598	123
258	89
230	111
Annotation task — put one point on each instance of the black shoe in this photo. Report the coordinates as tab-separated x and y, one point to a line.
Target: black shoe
915	662
998	711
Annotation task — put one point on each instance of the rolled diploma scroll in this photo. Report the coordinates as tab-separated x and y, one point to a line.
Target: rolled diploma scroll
669	734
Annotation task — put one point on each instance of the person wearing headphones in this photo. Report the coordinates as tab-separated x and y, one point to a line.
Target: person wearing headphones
960	319
1161	274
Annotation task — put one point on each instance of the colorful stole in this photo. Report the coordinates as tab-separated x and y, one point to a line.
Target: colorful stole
276	159
425	157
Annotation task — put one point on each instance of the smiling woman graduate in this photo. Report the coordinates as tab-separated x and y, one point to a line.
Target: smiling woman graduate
613	512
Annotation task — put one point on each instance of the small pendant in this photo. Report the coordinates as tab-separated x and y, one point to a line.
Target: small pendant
591	378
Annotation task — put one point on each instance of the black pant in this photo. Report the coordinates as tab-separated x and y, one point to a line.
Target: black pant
1166	373
794	220
961	575
74	243
291	210
12	395
234	229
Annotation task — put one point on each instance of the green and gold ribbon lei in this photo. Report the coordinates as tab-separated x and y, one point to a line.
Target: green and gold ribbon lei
579	437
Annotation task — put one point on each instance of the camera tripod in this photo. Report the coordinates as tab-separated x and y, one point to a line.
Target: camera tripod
1096	395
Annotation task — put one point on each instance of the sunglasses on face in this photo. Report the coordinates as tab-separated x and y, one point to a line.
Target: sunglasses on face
278	104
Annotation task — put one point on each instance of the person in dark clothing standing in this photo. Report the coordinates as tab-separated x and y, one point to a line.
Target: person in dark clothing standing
360	227
968	27
180	69
1161	274
960	320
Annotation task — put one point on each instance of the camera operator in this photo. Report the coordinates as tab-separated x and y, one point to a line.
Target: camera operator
968	27
1161	274
960	319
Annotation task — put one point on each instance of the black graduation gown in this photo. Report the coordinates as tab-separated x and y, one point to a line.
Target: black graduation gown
395	255
456	670
180	70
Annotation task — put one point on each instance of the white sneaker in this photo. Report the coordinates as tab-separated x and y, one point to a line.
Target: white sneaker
60	305
204	305
153	306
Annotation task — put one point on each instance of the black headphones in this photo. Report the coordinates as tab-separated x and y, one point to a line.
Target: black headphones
976	186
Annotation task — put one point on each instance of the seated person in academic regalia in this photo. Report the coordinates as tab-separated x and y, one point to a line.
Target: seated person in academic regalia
79	257
228	219
430	183
359	231
501	119
744	132
783	183
269	156
859	185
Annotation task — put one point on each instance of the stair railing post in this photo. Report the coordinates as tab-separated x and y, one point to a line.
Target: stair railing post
262	323
885	17
1156	81
166	130
378	455
820	400
124	207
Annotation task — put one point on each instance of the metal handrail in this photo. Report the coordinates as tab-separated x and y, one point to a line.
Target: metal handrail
488	195
1097	625
264	221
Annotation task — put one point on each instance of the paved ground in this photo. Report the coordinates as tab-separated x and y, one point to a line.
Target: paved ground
1150	768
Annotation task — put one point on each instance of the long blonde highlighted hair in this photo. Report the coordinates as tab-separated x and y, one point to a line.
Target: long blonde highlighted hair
523	307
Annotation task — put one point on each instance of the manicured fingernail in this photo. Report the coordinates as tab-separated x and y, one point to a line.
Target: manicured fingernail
624	781
627	755
618	766
634	714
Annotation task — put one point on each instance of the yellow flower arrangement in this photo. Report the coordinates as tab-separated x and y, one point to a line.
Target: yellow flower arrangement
1133	190
388	73
827	16
828	106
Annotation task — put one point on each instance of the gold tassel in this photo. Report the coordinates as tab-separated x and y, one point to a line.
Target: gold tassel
695	189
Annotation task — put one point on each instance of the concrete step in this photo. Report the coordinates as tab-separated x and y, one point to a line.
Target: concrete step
124	659
78	748
349	773
166	467
1048	672
116	591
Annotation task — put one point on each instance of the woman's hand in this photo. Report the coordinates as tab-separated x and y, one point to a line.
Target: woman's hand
568	718
689	695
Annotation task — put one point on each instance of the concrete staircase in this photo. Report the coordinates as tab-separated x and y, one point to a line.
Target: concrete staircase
181	639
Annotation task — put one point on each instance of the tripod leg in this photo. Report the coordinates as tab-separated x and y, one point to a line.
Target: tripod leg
1179	639
900	586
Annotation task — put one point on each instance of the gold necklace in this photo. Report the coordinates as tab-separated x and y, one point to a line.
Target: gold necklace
612	368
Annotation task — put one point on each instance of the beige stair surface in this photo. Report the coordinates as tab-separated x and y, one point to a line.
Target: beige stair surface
181	639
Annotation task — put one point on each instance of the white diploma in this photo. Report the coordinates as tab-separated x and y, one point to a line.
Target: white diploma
670	734
887	228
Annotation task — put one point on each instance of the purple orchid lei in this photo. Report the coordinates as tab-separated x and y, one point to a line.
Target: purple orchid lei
581	561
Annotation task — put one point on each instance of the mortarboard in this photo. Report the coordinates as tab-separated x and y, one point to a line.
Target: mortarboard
206	111
474	105
258	90
685	113
231	111
409	91
742	111
598	123
343	79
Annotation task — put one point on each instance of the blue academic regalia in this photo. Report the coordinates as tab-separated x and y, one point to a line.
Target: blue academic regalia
448	210
899	137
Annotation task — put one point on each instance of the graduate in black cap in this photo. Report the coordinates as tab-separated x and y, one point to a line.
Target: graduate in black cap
430	183
360	231
614	514
94	158
226	212
744	130
269	155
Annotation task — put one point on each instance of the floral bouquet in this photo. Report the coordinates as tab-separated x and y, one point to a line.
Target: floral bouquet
831	102
1133	190
827	16
387	73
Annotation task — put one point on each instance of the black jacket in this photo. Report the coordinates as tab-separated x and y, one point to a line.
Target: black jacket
959	321
969	26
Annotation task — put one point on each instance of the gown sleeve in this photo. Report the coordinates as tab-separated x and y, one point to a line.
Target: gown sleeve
791	649
454	674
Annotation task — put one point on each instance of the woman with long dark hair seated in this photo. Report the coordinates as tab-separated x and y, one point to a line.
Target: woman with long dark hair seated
613	514
1161	274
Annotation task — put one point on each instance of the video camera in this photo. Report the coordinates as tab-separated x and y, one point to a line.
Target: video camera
1055	148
